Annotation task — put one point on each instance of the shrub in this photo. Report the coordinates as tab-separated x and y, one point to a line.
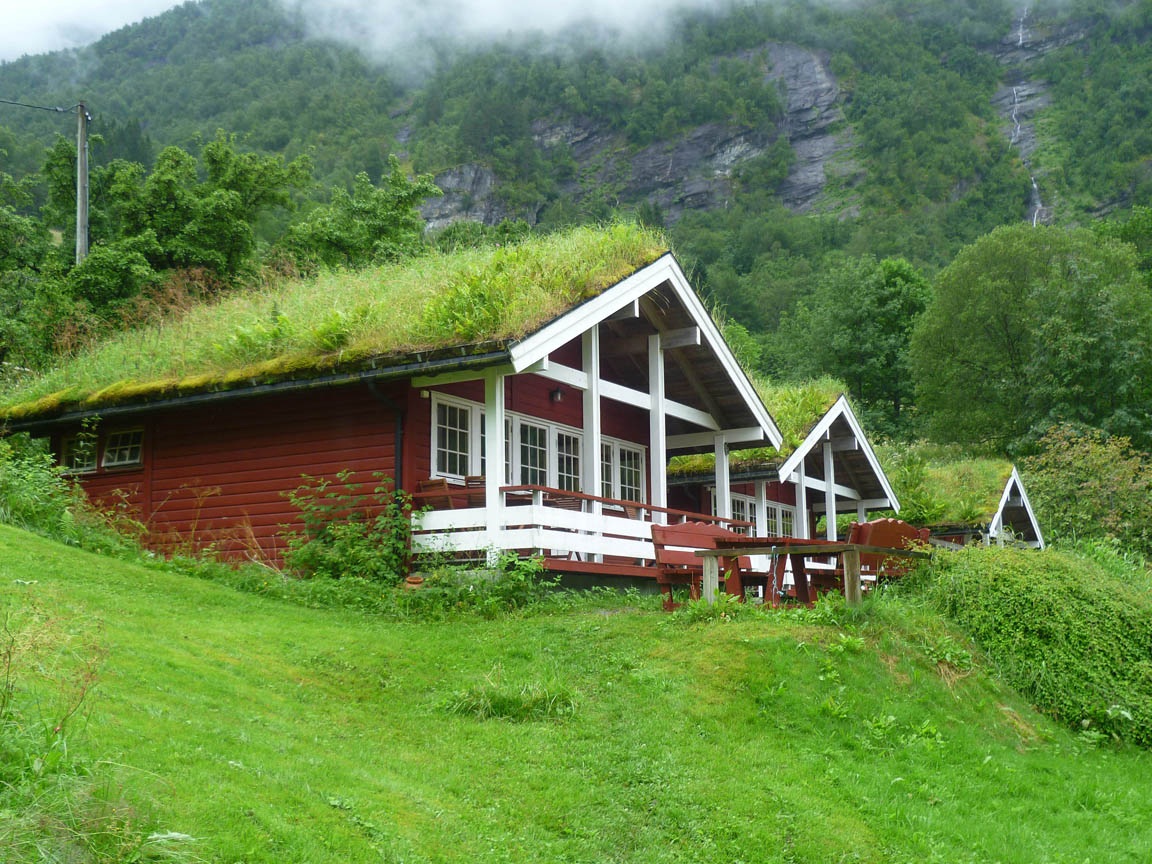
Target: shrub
36	496
1071	632
349	533
1085	484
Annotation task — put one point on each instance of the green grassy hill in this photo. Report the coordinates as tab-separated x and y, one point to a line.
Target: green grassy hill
270	732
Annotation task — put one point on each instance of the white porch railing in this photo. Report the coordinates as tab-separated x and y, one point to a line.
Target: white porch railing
545	521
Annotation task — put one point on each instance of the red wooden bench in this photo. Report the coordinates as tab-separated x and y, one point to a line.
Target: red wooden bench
893	533
677	563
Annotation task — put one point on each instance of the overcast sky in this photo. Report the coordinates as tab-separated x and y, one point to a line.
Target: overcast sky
37	26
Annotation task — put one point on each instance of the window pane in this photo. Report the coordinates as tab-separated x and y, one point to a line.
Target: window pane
123	448
452	425
606	470
568	462
631	474
533	455
79	453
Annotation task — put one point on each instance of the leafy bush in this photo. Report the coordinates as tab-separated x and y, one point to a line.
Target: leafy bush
347	532
1071	632
36	496
1087	485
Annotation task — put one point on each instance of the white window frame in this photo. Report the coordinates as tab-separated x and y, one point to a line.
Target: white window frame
123	448
73	446
512	463
781	517
613	480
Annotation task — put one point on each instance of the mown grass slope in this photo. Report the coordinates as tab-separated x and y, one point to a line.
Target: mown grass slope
270	732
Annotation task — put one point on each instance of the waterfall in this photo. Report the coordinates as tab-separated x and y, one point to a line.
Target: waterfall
1037	203
1021	32
1015	116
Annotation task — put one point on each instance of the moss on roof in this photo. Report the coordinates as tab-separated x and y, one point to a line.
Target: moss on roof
344	321
943	485
796	408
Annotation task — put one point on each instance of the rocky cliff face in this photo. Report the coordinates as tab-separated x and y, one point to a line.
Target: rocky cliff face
691	172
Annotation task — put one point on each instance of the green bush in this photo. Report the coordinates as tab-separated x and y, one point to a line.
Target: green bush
1070	630
1086	485
349	533
36	496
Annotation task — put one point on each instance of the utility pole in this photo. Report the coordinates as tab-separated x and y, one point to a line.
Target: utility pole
82	119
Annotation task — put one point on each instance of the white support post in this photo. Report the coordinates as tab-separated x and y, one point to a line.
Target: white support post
829	492
800	522
657	430
592	471
763	529
723	479
494	457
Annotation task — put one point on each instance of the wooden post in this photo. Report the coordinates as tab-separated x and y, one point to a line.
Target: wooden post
851	559
711	579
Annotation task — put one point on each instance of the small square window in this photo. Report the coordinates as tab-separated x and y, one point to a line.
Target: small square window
124	448
78	453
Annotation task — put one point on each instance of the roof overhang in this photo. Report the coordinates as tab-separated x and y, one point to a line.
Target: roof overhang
1015	514
840	415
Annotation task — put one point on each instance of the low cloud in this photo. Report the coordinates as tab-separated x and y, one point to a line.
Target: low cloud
388	28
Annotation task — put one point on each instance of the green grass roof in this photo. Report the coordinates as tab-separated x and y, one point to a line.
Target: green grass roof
344	321
796	408
944	485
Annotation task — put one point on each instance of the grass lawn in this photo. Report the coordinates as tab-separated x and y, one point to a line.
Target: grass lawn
274	733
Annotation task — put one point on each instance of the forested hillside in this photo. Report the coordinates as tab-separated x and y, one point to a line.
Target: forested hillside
801	155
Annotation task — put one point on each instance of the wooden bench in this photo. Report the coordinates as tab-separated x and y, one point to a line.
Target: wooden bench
678	564
890	533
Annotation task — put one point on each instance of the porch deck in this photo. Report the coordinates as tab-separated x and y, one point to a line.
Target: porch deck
574	532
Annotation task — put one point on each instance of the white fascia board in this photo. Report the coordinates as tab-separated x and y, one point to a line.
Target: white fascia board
998	521
591	312
840	409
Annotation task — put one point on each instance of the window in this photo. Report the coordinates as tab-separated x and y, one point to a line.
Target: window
622	470
780	519
536	453
124	448
533	454
453	439
78	453
568	462
631	473
744	508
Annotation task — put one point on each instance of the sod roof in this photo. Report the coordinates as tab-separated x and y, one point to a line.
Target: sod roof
796	408
470	301
947	485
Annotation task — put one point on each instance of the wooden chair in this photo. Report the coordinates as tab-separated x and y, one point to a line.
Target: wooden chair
435	493
677	563
475	486
893	533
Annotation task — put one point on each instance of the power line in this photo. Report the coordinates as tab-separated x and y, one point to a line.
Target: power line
40	107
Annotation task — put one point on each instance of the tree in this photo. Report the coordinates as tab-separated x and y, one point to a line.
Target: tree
1030	327
855	326
370	225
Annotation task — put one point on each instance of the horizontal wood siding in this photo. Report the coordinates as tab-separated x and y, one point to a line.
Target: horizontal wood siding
219	475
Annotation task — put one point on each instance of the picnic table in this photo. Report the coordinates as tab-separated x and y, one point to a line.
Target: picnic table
797	549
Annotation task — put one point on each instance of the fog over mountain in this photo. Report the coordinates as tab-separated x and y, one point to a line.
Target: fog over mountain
386	27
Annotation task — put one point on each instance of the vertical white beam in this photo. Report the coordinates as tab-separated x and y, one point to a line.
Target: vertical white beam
800	523
723	480
494	457
829	491
763	529
592	474
657	429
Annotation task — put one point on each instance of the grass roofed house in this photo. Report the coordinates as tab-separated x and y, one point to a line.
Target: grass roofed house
823	464
965	499
586	354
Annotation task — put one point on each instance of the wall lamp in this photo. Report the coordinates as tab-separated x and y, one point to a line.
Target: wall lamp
556	395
